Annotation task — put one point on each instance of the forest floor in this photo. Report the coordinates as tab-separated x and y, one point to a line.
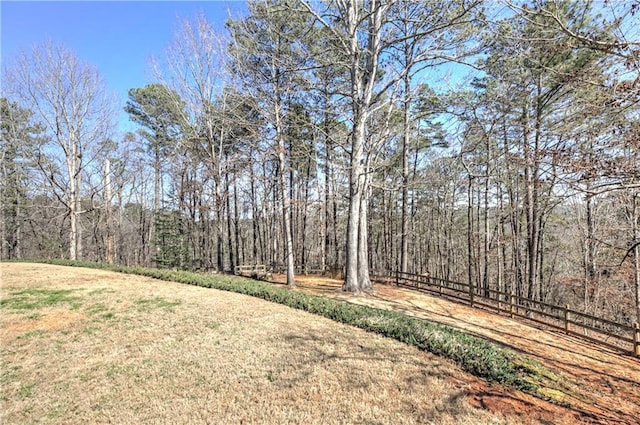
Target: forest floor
605	383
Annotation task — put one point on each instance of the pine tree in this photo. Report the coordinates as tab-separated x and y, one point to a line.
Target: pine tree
18	138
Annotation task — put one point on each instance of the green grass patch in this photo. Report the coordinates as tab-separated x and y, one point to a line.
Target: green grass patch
26	390
96	309
101	291
91	331
31	334
115	369
100	310
33	299
212	325
57	412
148	304
475	355
9	375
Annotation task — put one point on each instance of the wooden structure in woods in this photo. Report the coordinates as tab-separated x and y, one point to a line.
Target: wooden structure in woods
256	271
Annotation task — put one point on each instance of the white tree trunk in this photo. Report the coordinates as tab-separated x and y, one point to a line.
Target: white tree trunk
70	101
109	254
357	265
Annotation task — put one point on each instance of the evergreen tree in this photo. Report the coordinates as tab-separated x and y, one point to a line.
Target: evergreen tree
268	54
155	108
19	137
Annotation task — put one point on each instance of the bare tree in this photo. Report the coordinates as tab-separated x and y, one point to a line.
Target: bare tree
68	97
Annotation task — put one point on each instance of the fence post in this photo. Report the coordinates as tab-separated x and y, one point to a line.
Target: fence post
471	287
440	285
397	273
636	339
567	318
512	302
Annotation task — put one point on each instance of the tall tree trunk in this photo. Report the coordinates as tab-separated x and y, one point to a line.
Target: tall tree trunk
635	229
590	253
256	215
534	213
305	209
404	243
334	227
286	214
485	239
470	235
363	240
387	249
219	226
73	167
236	220
326	240
18	233
109	219
230	246
531	207
325	223
352	281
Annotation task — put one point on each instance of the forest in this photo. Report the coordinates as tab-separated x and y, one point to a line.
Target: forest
493	143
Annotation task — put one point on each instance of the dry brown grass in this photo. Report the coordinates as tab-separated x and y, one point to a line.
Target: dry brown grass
604	383
137	350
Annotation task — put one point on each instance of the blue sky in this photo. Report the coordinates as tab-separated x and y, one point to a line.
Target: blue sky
118	37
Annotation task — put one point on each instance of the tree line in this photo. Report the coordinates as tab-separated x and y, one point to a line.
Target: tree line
491	143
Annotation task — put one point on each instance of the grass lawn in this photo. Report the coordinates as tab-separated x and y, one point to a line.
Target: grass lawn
92	346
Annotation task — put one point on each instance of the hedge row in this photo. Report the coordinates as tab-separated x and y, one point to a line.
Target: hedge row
476	356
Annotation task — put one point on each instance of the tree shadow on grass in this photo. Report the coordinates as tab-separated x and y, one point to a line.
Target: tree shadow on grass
601	374
366	363
600	370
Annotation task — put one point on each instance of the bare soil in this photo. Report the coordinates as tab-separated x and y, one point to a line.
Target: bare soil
604	384
128	349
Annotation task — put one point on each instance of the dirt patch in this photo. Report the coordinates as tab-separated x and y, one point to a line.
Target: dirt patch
15	326
604	385
527	408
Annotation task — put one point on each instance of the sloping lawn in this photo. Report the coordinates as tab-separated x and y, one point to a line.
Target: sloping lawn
92	346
